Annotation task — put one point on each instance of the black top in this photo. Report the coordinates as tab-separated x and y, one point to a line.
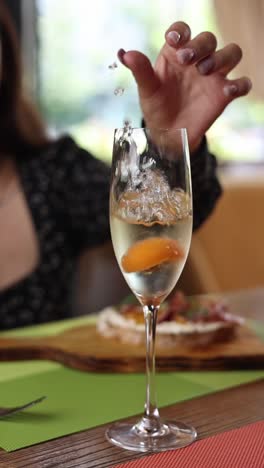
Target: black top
67	191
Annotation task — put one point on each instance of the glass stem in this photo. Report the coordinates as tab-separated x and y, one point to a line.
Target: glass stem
151	420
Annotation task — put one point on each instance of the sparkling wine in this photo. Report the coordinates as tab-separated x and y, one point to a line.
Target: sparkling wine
155	282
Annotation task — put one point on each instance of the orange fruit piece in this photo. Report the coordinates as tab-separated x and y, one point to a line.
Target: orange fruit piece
149	253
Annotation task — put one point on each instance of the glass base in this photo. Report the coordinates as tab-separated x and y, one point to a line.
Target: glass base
170	436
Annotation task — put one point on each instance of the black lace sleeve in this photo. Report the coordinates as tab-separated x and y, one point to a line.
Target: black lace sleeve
82	195
205	184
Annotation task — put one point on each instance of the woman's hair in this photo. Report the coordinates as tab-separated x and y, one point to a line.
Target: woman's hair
21	128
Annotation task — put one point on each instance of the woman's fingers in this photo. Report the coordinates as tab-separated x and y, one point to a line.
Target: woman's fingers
201	46
236	88
188	50
147	81
178	34
180	49
223	60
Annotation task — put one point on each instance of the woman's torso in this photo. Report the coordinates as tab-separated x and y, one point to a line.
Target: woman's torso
39	242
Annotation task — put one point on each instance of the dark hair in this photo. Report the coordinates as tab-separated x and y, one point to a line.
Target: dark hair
21	128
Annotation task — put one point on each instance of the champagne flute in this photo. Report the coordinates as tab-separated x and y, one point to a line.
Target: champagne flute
151	229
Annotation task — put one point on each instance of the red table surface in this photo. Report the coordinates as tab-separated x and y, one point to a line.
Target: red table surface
239	448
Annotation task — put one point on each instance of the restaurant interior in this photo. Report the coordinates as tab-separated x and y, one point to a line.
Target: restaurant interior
72	73
226	252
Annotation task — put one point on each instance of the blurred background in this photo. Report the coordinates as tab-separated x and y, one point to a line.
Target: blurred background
68	46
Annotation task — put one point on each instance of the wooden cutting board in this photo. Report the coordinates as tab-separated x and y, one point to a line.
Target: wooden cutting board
84	349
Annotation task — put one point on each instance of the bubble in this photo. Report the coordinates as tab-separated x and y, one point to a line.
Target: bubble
119	91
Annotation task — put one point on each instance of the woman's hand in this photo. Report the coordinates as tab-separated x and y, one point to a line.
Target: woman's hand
188	86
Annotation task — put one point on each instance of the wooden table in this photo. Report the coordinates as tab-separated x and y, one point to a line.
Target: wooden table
211	414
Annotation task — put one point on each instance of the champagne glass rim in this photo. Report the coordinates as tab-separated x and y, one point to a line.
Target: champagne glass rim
160	129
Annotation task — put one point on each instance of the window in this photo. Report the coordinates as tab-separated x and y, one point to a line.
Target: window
78	40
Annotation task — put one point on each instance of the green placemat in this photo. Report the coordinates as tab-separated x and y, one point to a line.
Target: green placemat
78	400
14	370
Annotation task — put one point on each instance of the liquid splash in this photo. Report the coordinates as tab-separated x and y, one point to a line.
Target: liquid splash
149	197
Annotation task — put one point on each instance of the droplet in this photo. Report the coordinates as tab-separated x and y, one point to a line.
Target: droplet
127	123
119	91
127	127
112	66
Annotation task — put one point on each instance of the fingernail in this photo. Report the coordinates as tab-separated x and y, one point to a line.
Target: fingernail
206	66
185	56
230	90
120	55
174	37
